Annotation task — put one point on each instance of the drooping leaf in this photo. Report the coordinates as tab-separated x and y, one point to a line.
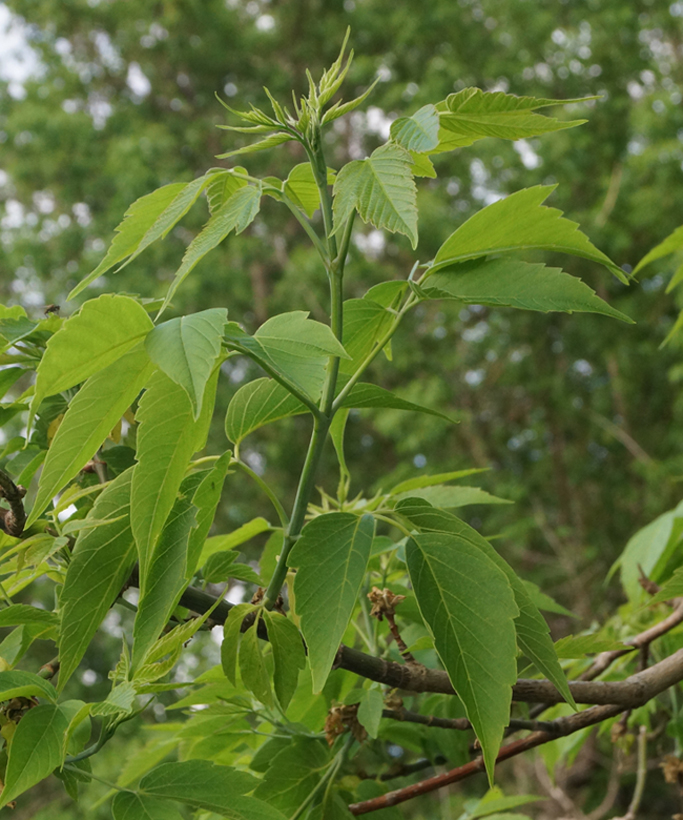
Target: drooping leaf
235	214
186	350
253	669
473	114
519	222
166	441
469	607
450	497
232	631
381	188
292	774
91	416
370	711
505	282
204	785
256	404
420	132
288	655
36	750
533	635
134	806
17	684
101	563
205	499
331	556
99	333
166	576
138	219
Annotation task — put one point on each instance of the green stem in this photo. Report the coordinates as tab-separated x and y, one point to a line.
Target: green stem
92	776
279	509
306	225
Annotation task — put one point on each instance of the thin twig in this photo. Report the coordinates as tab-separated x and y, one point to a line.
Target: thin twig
461	724
641	776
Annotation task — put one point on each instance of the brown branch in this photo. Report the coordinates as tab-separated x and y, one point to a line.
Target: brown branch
605	659
12	521
461	724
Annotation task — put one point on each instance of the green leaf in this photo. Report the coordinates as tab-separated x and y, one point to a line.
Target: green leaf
365	322
381	189
253	667
505	282
235	214
24	614
119	702
223	565
222	185
449	497
232	631
518	222
370	711
331	556
138	219
532	631
495	801
204	785
166	577
302	189
578	646
17	684
673	588
672	243
419	133
220	543
545	602
186	350
101	563
293	773
261	145
473	114
289	656
431	480
166	441
91	416
469	607
206	499
7	378
133	806
256	404
96	336
36	750
422	166
372	395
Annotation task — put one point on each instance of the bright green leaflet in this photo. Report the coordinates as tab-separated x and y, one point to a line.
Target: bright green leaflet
418	133
289	656
449	497
235	214
222	185
533	634
101	332
370	711
206	500
7	378
231	638
372	395
17	684
256	404
292	774
24	614
332	546
138	219
469	607
132	806
495	801
166	441
672	243
186	350
91	416
431	480
673	588
365	322
253	669
578	646
301	188
519	222
219	543
505	282
102	561
382	190
35	751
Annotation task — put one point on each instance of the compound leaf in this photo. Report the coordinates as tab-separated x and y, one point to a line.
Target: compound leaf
419	133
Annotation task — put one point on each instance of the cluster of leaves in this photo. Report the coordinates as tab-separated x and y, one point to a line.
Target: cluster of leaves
117	419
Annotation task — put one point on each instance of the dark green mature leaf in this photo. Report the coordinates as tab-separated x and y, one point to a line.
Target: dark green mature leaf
100	565
533	635
133	806
166	577
505	282
253	669
99	333
469	607
519	222
450	497
331	556
473	114
288	655
91	416
167	438
419	133
35	751
382	190
292	774
204	785
17	684
256	404
186	350
235	214
138	219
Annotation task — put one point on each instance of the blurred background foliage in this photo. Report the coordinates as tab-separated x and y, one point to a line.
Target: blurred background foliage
579	418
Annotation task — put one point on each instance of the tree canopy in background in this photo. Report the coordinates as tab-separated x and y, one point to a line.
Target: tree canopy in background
578	417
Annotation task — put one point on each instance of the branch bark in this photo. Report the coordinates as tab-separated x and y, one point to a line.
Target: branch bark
12	521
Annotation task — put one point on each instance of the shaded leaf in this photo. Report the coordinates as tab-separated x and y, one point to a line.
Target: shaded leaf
18	684
292	774
133	806
220	543
289	656
253	667
418	133
673	588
